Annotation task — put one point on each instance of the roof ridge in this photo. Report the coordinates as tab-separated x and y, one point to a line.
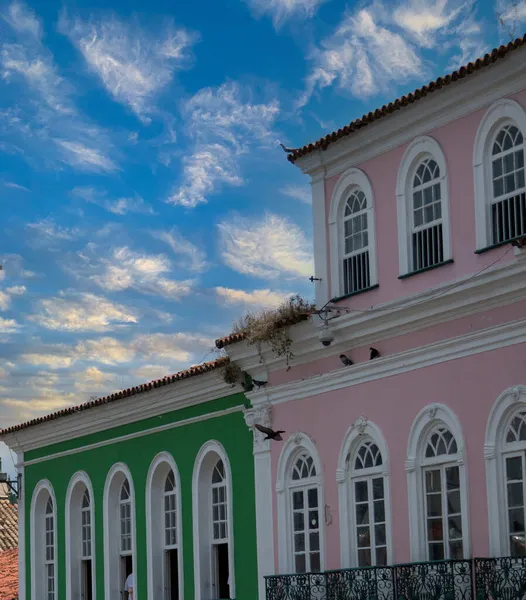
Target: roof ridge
407	99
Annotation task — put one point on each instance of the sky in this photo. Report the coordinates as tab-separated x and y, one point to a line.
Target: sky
145	200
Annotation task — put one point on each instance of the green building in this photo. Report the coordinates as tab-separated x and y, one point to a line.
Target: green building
157	481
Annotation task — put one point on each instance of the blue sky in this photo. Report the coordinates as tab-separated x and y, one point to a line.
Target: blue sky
145	200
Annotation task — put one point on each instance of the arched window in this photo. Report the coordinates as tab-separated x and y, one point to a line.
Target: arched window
213	527
352	235
437	487
80	555
43	543
300	507
163	509
500	186
363	494
505	455
119	529
423	207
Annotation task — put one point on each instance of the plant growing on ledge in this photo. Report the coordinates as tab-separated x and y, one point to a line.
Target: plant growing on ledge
232	373
270	326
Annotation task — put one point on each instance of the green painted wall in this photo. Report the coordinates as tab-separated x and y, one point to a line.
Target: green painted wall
183	443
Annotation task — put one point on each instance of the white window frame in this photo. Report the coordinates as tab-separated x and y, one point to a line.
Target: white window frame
295	445
500	113
205	461
510	402
350	180
78	484
418	150
360	431
42	492
112	538
428	419
157	473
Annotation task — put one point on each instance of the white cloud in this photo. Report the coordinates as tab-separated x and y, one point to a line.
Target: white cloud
133	65
23	20
6	297
298	192
92	379
105	350
48	232
272	248
151	372
15	186
256	298
84	157
425	18
176	347
192	257
118	206
82	312
8	326
53	361
5	300
225	123
16	290
282	10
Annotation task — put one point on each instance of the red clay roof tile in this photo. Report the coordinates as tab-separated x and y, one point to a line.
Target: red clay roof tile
9	575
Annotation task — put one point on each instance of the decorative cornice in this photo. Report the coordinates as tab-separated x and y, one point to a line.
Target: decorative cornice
417	358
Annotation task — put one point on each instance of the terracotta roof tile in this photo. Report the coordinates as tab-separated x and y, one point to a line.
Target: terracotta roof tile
139	389
8	521
9	575
387	109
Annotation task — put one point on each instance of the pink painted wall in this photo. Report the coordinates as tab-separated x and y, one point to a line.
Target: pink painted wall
457	141
469	386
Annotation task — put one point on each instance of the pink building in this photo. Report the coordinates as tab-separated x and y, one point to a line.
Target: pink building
418	454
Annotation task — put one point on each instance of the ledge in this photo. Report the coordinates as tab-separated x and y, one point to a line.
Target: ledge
357	293
499	245
445	262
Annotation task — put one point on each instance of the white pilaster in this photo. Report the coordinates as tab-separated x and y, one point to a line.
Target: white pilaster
263	491
319	227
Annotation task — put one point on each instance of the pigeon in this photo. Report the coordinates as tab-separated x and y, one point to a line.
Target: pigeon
519	243
270	433
373	353
347	362
259	384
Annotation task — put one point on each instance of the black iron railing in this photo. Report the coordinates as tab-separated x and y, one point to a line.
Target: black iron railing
473	579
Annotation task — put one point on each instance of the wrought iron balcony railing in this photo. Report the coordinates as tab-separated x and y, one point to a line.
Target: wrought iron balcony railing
473	579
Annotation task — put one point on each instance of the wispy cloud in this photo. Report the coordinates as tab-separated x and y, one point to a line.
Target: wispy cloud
47	234
273	248
134	64
71	311
7	295
225	123
15	186
8	325
84	157
118	206
299	192
512	16
282	10
264	298
191	257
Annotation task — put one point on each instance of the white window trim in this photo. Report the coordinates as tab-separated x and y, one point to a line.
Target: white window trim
509	402
352	178
160	459
38	592
427	419
80	477
109	542
297	443
201	530
360	430
501	112
418	149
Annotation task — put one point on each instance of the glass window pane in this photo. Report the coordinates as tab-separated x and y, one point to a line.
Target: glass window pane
497	167
419	217
378	488
514	468
519	159
312	498
300	563
498	187
313	519
379	535
379	511
520	178
314	541
381	557
436	552
453	502
299	521
518	545
360	490
455	550
299	542
452	478
515	495
362	514
434	529
454	527
297	500
516	520
315	562
510	183
417	199
363	536
364	558
434	505
509	163
428	195
433	481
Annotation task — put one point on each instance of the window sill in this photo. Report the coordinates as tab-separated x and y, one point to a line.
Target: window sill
499	245
424	270
345	296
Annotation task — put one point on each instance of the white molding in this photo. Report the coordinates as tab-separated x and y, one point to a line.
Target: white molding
443	106
495	287
137	434
163	458
485	340
263	494
21	529
211	447
296	443
151	403
497	115
42	485
109	544
352	178
427	419
358	432
319	228
83	478
508	403
420	148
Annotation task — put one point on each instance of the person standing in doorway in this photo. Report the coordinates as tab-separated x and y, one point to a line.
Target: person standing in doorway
129	587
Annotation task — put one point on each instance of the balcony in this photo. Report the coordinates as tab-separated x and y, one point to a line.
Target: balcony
473	579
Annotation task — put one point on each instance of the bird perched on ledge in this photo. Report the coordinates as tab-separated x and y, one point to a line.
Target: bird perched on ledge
346	361
373	353
270	433
259	384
